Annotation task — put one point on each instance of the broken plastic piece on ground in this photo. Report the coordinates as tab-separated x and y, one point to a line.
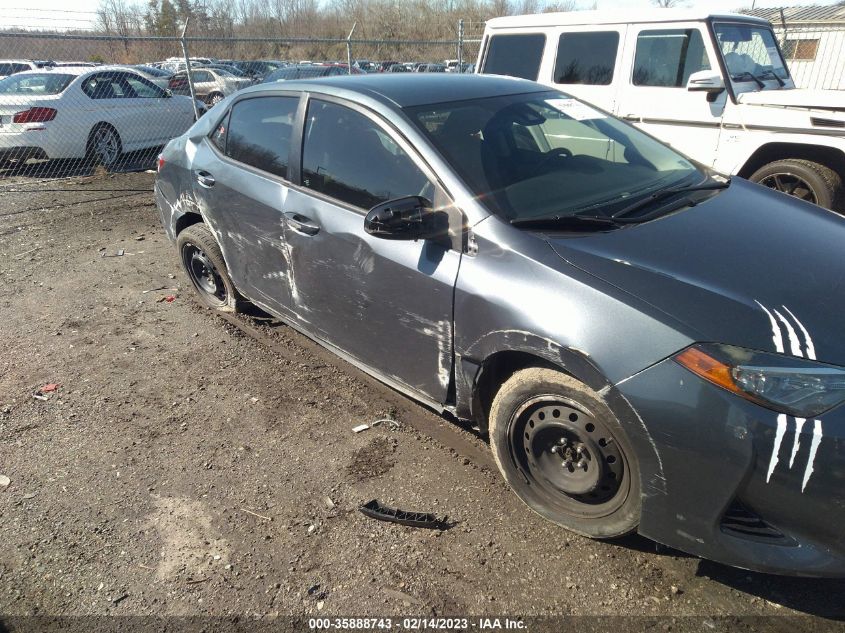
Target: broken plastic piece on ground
119	253
49	387
394	424
4	481
375	510
39	396
360	427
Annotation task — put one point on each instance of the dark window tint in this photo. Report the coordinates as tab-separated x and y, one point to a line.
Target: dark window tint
348	157
105	86
260	131
514	55
586	58
11	68
668	58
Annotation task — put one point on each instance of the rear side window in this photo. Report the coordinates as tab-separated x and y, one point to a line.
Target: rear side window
259	133
12	68
350	158
586	58
517	55
667	58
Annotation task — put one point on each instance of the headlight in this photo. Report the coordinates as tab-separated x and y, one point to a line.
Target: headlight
785	384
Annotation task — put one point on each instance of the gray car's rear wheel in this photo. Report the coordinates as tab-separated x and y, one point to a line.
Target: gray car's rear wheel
215	97
565	454
203	261
803	179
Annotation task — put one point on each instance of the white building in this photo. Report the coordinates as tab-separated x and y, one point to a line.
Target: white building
813	42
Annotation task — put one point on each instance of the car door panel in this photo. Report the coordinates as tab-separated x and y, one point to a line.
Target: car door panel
386	303
246	203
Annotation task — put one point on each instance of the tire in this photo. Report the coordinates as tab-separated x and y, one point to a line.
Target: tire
104	146
539	418
803	179
203	262
215	97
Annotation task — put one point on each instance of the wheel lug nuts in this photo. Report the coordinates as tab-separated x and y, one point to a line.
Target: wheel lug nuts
554	449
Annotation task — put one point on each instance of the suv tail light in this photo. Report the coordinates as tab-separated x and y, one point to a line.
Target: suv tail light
34	115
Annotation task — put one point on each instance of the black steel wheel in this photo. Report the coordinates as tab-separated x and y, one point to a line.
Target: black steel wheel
203	262
805	180
564	453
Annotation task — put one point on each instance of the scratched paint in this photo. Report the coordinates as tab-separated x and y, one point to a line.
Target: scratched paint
780	324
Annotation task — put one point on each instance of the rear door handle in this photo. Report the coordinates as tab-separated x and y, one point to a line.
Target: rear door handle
205	179
301	224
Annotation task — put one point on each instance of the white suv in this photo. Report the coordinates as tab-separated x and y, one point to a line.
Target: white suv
715	87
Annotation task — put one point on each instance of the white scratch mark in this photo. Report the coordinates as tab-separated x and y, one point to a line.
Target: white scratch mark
796	444
794	343
808	340
814	447
781	430
777	337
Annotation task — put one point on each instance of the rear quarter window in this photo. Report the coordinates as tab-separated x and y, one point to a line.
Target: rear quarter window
515	55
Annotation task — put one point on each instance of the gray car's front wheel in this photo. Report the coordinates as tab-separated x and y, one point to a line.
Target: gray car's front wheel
203	262
565	454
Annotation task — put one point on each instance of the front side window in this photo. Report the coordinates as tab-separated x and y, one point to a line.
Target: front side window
517	55
586	58
350	158
541	154
667	58
751	52
104	86
259	133
143	89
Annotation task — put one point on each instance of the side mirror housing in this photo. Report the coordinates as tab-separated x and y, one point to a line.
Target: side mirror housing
706	81
168	92
409	218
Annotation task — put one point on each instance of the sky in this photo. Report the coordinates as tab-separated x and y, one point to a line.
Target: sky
65	14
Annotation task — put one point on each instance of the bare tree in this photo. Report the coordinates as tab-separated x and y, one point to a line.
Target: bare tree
666	4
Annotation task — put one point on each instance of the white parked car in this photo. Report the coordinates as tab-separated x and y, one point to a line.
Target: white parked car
12	66
92	113
715	87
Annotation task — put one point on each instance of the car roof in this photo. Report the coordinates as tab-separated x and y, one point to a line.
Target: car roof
76	70
409	89
613	17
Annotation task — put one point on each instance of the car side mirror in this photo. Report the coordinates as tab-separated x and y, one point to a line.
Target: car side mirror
409	218
706	81
168	93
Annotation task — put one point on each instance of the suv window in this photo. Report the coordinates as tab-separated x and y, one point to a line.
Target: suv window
668	58
11	68
336	138
515	55
586	58
259	133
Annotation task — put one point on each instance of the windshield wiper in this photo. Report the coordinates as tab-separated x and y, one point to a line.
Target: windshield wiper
567	222
755	78
771	72
621	216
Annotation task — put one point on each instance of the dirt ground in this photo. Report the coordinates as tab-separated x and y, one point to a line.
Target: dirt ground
182	468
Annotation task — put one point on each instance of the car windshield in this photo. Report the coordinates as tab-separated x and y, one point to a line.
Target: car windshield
35	84
751	53
547	154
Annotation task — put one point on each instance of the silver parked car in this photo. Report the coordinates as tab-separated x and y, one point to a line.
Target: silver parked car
211	85
642	355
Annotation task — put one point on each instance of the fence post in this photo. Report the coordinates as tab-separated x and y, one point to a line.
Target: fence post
349	48
461	45
184	43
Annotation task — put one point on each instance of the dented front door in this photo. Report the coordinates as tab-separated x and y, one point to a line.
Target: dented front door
386	303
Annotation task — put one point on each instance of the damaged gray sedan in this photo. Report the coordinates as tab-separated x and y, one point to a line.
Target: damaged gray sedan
650	346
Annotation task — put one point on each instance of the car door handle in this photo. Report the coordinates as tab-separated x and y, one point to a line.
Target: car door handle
205	179
301	224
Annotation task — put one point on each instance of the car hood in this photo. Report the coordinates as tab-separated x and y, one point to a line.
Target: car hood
749	267
796	98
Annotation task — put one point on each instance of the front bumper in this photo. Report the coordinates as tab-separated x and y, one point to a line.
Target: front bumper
707	489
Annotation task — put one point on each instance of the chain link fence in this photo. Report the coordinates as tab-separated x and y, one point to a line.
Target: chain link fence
815	54
71	104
